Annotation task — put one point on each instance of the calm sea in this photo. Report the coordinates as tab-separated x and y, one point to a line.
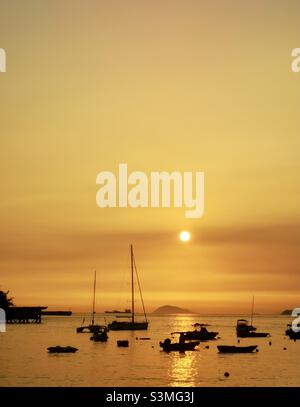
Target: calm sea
24	359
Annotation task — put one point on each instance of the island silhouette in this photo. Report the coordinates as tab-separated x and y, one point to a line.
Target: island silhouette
171	309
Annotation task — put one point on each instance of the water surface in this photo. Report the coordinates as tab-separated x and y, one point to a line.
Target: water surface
25	361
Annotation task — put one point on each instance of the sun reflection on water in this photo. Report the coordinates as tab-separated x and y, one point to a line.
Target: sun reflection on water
183	367
182	370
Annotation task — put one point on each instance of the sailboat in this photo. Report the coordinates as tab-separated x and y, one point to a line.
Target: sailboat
131	325
92	328
244	330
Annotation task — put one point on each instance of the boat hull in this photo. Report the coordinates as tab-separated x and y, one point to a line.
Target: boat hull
99	337
128	326
206	336
179	347
62	349
244	330
252	334
293	335
236	349
90	329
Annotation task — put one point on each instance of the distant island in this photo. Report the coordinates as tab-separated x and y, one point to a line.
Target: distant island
170	309
127	311
287	312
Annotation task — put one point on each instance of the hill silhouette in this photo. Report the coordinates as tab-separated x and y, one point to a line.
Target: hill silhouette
171	309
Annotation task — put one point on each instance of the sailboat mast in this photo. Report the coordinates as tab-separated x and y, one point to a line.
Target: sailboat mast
252	311
140	289
132	285
93	311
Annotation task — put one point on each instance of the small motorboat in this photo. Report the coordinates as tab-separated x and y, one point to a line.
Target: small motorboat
288	329
99	336
244	330
236	349
62	349
202	335
291	333
180	346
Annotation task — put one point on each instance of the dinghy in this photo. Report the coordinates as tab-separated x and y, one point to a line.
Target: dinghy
236	349
62	349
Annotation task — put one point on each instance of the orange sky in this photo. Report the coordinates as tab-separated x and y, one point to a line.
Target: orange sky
161	86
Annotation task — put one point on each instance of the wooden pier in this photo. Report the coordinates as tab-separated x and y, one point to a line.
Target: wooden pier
24	315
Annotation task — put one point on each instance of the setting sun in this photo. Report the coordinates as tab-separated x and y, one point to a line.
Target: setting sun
184	236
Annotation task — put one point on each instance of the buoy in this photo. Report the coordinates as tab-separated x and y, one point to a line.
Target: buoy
152	346
284	348
270	343
226	374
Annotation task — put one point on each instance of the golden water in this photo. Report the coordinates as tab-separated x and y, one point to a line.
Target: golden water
25	361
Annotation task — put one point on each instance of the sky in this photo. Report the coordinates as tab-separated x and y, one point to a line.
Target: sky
161	86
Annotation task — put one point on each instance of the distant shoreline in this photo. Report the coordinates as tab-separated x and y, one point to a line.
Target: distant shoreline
74	313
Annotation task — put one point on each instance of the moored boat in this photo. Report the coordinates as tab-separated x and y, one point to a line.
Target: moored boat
236	349
180	346
99	336
244	330
292	334
131	325
92	328
127	326
202	335
62	349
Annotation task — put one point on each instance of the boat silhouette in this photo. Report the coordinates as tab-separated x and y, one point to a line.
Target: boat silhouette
236	349
246	330
132	325
62	349
202	335
92	328
180	346
291	333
